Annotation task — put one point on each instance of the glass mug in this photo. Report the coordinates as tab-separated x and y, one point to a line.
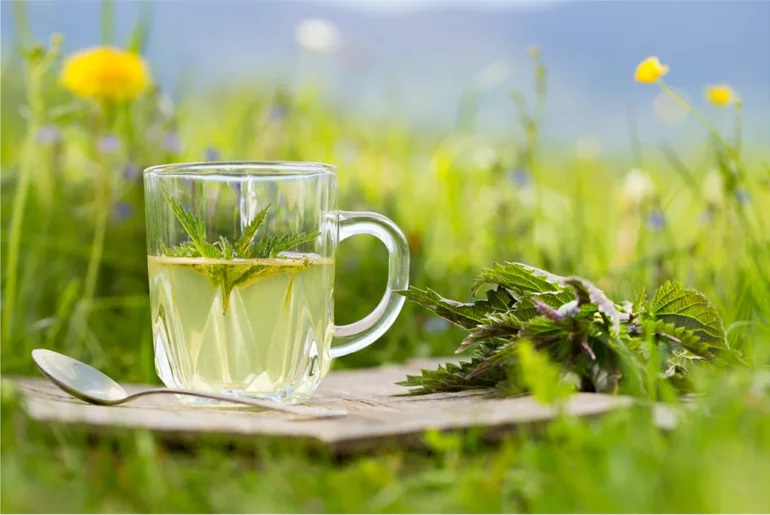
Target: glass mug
241	267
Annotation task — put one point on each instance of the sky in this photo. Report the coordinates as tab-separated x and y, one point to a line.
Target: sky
413	59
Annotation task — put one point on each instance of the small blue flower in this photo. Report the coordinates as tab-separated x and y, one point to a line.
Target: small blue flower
131	171
48	134
435	326
743	196
108	144
122	210
519	177
656	220
213	154
171	142
277	113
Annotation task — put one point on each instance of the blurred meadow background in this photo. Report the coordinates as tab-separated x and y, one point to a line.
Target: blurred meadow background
488	131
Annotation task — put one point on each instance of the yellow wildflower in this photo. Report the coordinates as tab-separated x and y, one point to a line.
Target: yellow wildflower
105	73
650	70
720	94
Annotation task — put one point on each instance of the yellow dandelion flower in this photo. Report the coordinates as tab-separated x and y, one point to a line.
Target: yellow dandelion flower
105	73
720	94
650	70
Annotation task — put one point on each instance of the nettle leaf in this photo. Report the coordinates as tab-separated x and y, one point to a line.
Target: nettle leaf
502	325
466	315
640	304
243	243
184	250
499	299
194	227
228	252
274	245
564	322
587	293
519	278
526	310
503	355
452	377
488	348
238	273
691	310
684	360
543	330
685	338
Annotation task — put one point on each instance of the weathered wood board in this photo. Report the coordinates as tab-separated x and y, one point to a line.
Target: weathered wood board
375	415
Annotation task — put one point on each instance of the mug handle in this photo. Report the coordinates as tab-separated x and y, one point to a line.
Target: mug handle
360	334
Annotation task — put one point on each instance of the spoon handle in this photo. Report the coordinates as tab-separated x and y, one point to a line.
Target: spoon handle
258	403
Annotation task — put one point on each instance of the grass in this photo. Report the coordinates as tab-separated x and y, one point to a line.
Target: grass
81	288
716	461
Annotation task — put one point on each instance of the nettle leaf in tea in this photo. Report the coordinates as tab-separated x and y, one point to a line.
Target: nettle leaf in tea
235	264
532	318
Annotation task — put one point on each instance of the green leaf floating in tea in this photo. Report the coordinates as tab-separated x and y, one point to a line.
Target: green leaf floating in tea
247	259
596	344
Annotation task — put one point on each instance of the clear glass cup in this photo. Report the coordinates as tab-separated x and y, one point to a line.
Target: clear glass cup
247	308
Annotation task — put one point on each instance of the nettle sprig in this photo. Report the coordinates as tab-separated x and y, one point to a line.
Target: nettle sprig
595	343
244	252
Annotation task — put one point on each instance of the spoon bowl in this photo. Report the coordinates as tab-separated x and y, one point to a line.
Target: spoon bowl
78	379
86	383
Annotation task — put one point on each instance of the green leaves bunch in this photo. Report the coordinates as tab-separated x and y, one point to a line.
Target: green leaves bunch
595	344
243	253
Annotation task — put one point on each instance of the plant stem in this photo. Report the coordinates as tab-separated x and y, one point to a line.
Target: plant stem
21	22
97	245
534	139
684	172
738	127
14	241
108	22
633	138
37	110
700	116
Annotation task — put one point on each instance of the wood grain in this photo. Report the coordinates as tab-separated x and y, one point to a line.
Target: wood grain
375	417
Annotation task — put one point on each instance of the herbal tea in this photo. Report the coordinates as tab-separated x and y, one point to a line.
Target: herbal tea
242	296
255	327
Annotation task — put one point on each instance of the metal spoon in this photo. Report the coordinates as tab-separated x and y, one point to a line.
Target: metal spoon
88	384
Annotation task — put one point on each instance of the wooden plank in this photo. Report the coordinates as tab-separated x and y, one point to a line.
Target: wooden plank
375	415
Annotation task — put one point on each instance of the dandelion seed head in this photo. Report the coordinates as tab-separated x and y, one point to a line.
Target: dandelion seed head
318	35
638	186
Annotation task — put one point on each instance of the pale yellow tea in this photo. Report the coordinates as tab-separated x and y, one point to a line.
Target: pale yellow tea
266	335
